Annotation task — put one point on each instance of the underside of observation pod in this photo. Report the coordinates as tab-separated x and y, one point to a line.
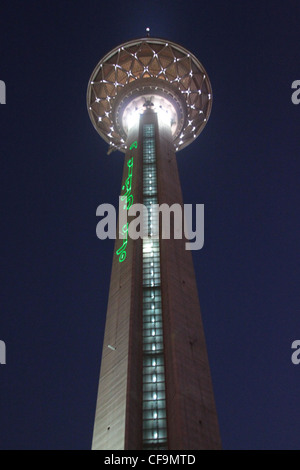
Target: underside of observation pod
149	73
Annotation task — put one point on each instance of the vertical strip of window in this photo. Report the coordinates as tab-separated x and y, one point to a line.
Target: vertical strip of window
154	395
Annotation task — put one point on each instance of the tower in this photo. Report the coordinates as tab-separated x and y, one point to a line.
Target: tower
149	98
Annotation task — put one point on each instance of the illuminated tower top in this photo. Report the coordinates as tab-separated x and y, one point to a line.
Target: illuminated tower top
153	73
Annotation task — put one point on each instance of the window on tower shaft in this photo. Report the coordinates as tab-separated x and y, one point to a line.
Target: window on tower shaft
154	397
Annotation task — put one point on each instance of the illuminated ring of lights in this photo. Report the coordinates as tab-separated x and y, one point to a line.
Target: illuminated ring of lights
149	59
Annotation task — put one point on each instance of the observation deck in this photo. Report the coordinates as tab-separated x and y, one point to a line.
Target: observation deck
149	71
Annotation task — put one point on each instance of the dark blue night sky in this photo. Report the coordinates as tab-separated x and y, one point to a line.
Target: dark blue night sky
244	168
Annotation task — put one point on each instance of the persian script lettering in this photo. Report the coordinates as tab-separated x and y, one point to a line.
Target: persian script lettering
128	198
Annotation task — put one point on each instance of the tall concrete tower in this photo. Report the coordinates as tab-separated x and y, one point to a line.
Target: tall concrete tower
149	98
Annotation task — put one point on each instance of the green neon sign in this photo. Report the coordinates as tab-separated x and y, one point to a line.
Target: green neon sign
128	198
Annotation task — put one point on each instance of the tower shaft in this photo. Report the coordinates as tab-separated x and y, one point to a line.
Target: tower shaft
155	389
